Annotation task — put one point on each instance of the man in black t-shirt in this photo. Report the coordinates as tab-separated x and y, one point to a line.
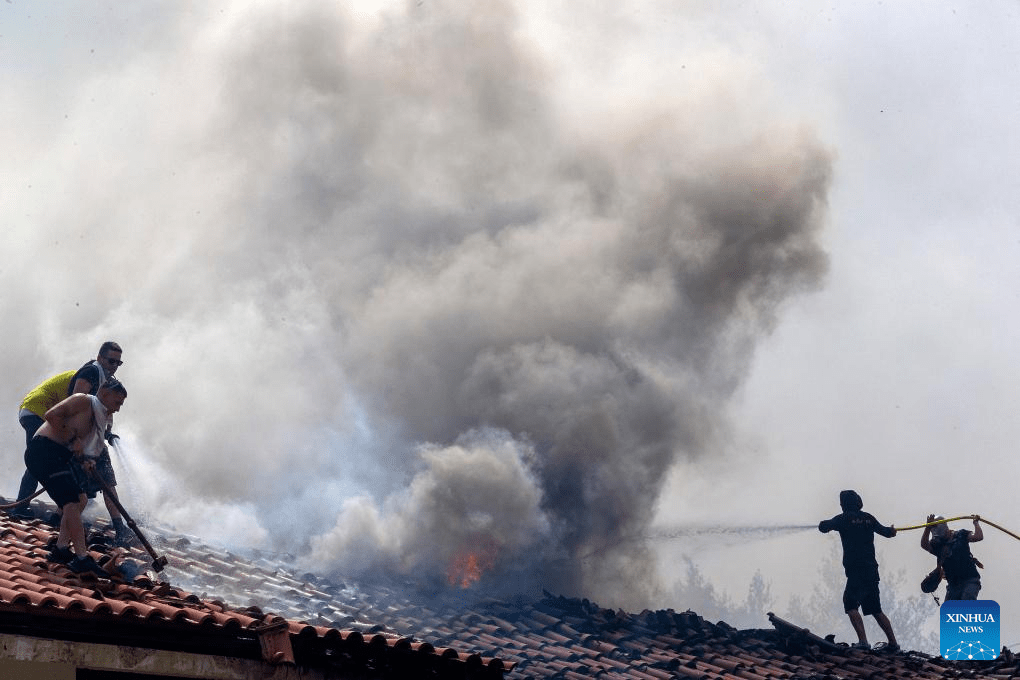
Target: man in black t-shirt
857	531
95	373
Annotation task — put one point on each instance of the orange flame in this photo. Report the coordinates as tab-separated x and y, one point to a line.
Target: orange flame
467	567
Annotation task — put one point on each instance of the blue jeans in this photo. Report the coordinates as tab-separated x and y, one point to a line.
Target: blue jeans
964	590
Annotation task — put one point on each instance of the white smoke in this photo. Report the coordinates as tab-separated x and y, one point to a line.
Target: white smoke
403	285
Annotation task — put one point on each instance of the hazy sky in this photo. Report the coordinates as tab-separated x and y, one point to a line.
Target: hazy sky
397	279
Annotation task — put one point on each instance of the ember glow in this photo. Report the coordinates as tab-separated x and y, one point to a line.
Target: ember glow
467	567
501	295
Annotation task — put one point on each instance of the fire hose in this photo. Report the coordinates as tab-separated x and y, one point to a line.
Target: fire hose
951	519
158	561
20	501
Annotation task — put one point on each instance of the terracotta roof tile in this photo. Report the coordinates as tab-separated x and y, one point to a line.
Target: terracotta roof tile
550	637
690	672
52	593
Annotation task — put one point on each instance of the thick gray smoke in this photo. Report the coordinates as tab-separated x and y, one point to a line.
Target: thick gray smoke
389	298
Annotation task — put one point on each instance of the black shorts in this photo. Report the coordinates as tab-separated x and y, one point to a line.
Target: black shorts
50	463
862	591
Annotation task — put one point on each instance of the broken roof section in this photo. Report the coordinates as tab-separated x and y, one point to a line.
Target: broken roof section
374	628
48	603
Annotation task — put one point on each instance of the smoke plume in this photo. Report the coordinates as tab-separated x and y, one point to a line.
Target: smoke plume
395	288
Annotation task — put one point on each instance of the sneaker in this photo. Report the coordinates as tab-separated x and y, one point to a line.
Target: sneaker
87	565
60	555
860	645
54	520
886	647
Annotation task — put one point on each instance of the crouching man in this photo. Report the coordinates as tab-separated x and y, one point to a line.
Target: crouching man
72	428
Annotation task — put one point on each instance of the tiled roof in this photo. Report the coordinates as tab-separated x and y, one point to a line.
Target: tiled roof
540	637
135	607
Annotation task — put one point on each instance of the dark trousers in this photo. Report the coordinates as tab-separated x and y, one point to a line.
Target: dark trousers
31	423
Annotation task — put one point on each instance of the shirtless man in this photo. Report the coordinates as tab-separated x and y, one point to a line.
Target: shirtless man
73	429
88	379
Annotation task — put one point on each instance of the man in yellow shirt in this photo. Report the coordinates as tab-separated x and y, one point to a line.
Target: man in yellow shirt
33	407
86	379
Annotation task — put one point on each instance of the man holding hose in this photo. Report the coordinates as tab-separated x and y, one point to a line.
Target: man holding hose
952	548
857	531
73	429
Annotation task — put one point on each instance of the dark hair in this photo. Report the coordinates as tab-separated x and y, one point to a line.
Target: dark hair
109	346
115	385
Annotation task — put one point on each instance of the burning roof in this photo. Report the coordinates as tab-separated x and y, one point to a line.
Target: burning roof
132	608
545	636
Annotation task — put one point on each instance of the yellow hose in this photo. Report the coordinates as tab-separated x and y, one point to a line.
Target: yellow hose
938	521
951	519
1007	531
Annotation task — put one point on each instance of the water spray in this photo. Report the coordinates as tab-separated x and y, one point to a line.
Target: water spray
758	532
158	561
126	466
762	531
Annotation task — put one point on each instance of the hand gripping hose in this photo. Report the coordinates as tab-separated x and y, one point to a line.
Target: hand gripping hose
952	519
